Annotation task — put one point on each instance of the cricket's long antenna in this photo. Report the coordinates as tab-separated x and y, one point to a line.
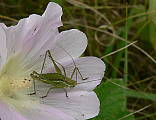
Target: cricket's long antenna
69	55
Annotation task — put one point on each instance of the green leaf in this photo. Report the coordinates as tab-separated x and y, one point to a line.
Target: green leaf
113	101
141	95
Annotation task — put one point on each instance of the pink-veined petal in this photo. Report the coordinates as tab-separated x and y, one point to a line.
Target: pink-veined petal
34	31
53	13
3	50
43	112
80	104
32	36
9	113
91	68
69	43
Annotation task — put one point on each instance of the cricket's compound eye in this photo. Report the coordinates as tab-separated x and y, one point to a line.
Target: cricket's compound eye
34	75
31	75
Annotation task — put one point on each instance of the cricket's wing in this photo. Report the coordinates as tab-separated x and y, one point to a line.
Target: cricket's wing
52	76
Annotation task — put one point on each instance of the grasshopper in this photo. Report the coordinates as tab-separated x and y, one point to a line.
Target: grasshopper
56	80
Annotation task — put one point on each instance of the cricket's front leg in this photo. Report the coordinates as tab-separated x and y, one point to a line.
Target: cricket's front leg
47	92
66	92
33	93
50	90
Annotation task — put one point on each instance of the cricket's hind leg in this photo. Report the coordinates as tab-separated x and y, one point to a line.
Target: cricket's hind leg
76	69
81	74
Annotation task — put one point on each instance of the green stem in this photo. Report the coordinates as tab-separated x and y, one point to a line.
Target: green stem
126	51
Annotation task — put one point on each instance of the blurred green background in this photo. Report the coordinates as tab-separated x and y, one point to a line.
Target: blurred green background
128	90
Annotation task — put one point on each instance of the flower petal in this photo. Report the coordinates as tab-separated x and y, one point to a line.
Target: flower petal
3	50
46	30
53	13
69	43
45	36
43	112
81	104
91	68
20	35
8	113
35	30
32	36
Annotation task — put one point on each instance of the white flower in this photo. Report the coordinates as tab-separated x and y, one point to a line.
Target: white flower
21	47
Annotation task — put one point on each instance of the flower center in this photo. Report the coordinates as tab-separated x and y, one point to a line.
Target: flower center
12	81
10	85
20	83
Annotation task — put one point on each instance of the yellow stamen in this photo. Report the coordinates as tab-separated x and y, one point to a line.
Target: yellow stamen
20	83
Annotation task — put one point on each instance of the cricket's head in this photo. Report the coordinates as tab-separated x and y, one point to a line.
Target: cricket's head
35	76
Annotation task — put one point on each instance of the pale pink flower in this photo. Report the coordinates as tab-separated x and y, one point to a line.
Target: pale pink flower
21	51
